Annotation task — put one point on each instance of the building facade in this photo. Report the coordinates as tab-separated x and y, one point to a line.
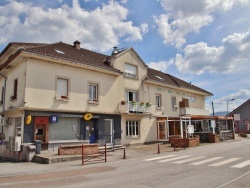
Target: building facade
60	93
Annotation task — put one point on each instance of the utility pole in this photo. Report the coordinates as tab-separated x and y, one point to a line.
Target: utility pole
213	108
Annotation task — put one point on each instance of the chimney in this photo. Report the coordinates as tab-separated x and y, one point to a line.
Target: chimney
115	51
77	45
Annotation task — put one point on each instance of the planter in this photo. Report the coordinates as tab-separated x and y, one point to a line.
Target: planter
213	138
248	135
190	142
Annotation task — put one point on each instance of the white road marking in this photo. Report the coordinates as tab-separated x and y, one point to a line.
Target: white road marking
225	162
176	158
241	165
162	157
206	161
189	160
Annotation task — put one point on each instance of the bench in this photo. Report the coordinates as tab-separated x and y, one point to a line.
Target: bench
91	152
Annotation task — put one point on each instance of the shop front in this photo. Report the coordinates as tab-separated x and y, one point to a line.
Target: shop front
55	129
169	126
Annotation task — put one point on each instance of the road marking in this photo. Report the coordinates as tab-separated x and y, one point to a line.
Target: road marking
162	157
189	160
225	162
185	156
241	165
206	161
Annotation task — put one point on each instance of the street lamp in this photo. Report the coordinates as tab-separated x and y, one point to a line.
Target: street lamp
227	104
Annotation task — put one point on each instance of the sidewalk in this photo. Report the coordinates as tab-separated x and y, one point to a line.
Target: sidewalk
132	151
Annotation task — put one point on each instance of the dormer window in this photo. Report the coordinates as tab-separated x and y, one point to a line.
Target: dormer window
130	71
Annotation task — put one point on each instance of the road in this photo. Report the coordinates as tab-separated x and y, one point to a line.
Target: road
224	164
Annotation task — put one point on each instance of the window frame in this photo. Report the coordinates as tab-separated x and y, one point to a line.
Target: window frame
94	98
173	103
158	101
15	86
2	95
133	128
131	94
59	95
128	73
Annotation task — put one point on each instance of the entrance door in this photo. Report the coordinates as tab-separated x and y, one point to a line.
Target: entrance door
108	131
162	131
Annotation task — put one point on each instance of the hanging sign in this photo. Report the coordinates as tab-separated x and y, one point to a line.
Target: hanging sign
28	119
88	116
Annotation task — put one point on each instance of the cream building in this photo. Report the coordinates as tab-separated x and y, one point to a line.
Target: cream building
75	95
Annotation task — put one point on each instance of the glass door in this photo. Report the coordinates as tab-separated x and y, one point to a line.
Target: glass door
162	131
108	131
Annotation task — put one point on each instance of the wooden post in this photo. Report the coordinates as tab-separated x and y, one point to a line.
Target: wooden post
124	154
105	153
82	155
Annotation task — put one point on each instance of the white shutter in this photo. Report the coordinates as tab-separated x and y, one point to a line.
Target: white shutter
130	69
62	87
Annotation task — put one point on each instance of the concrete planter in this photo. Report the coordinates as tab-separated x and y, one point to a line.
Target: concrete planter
248	135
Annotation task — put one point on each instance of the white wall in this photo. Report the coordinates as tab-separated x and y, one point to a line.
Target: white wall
41	88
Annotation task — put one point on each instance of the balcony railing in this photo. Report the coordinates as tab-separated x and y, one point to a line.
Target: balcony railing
194	111
134	107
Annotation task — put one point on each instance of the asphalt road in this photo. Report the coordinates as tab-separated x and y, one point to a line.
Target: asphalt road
224	164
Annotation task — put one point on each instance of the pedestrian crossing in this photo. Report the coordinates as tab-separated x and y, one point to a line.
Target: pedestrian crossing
216	161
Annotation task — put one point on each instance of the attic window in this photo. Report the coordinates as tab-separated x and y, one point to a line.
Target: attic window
59	51
160	78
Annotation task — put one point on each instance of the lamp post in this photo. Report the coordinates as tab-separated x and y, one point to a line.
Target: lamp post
227	104
227	112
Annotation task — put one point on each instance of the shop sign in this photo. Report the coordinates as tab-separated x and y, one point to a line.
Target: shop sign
53	119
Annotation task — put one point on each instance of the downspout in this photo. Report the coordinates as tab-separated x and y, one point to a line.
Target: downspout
5	80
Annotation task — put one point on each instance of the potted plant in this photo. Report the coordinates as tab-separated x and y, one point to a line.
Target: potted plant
141	103
148	104
123	102
133	102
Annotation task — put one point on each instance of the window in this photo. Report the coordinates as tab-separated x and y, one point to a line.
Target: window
173	103
2	96
14	96
62	88
132	128
158	101
130	71
131	96
93	92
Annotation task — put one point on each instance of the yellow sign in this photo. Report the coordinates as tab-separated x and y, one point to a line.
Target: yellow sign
87	116
28	119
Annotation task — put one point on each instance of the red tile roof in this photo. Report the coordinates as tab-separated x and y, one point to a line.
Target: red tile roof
68	52
164	78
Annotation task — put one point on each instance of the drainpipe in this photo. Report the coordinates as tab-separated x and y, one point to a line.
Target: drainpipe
5	80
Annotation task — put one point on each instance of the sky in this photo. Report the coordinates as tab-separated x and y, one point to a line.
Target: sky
205	42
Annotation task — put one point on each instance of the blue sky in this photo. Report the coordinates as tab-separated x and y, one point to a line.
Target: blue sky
204	42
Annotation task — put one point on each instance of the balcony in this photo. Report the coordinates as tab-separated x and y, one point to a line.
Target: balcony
194	111
134	107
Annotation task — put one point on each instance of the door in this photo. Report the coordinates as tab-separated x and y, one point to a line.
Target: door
109	131
162	130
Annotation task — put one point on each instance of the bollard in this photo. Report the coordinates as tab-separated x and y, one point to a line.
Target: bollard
158	148
124	154
82	154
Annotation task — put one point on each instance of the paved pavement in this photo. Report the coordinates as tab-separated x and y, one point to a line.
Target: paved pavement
132	151
9	169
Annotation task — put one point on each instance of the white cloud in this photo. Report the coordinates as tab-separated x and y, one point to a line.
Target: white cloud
144	28
183	17
230	56
161	65
98	29
221	104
